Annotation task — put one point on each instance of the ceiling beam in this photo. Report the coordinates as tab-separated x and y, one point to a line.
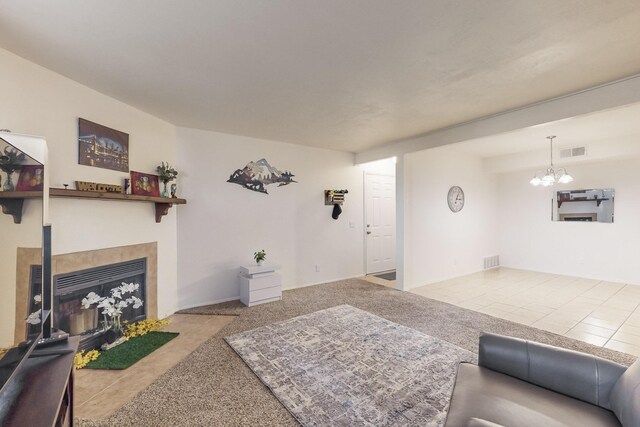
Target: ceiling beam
610	95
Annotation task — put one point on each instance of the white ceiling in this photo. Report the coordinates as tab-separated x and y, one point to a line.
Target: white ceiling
347	75
615	125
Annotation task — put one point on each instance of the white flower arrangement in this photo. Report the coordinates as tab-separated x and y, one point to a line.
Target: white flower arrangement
34	318
113	305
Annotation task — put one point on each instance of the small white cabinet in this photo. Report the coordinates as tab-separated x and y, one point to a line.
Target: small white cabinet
259	284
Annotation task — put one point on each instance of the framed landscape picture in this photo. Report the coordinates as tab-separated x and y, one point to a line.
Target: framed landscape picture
144	184
31	178
102	147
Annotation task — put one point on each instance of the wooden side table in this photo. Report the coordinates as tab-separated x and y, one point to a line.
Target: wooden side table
260	284
45	398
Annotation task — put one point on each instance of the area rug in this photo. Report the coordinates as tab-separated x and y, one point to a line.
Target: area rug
347	367
214	387
131	351
387	276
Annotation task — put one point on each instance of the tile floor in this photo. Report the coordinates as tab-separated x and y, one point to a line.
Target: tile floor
378	281
601	313
99	393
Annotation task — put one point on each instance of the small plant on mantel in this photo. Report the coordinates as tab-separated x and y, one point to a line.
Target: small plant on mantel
10	161
260	256
166	174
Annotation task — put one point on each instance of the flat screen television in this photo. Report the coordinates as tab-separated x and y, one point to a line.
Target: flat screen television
25	254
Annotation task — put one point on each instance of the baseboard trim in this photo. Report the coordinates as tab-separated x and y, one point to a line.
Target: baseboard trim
321	282
210	302
442	279
577	274
218	301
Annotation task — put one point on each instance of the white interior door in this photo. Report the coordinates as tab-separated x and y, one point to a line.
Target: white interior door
380	222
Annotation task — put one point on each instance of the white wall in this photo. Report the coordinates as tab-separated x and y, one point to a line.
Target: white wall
224	223
380	167
441	244
40	102
528	239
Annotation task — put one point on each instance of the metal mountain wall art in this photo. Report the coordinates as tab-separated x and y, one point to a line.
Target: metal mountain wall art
257	175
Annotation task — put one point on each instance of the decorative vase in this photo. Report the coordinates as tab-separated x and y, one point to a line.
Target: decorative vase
260	263
8	184
165	191
112	334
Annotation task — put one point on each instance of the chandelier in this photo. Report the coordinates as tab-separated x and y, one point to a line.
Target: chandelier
551	176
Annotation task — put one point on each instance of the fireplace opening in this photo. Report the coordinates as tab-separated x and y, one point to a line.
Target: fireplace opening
70	288
35	300
579	217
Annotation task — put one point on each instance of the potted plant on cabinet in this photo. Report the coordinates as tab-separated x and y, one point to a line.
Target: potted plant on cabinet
260	256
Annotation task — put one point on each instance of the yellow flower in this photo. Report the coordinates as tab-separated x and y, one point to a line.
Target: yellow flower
82	359
144	326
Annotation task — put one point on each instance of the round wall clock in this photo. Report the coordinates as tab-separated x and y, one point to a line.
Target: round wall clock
455	198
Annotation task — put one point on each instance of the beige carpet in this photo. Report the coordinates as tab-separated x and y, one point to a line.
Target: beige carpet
213	386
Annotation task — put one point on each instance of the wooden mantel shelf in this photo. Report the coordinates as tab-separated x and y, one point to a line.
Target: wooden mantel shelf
598	201
12	201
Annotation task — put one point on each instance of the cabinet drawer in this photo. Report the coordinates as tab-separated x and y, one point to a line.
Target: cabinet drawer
270	281
266	293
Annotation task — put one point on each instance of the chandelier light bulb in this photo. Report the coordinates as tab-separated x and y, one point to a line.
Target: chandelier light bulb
551	176
565	178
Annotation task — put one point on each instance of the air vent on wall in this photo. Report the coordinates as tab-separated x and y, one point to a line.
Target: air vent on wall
573	152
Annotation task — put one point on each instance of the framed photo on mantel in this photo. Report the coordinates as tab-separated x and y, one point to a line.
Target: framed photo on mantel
145	184
102	147
31	178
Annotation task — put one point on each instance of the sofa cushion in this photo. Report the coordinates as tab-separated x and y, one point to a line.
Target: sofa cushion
498	398
625	396
578	375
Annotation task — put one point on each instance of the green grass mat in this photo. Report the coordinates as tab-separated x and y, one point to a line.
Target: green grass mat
128	353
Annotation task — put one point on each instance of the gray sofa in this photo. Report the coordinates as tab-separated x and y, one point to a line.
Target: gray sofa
519	383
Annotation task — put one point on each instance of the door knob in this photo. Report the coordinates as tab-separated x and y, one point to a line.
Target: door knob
368	232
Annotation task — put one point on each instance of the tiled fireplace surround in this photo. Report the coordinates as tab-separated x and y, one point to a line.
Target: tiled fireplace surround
67	263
